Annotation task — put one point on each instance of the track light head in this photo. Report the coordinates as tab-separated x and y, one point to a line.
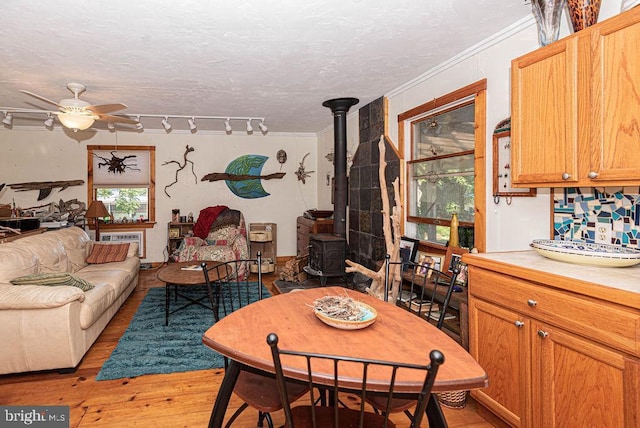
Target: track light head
192	124
262	126
49	122
139	125
111	126
249	127
227	125
166	124
8	119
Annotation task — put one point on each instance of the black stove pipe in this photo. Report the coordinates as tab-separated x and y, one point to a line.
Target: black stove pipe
340	107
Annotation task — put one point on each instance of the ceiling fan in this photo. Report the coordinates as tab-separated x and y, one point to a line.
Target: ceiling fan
77	114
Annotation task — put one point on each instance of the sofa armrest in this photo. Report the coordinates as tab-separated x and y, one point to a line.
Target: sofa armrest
37	296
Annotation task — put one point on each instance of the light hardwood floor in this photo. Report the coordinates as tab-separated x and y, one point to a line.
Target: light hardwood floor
171	400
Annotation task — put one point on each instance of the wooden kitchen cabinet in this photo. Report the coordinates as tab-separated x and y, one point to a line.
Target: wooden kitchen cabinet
575	108
554	358
305	227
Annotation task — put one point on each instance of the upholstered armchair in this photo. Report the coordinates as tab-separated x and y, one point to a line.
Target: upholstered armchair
220	234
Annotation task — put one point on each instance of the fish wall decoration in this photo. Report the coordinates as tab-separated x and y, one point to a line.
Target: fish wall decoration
243	176
45	187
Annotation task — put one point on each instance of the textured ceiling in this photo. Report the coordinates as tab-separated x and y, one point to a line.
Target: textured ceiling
278	60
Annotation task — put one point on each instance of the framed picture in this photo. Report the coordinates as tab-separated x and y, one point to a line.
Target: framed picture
411	245
453	258
174	232
426	263
463	275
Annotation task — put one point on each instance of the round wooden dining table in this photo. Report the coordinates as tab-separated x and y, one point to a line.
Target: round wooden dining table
396	335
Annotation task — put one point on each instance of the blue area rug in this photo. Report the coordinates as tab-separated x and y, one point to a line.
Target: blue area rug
150	347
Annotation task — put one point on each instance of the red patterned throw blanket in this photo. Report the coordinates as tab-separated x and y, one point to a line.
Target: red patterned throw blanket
205	220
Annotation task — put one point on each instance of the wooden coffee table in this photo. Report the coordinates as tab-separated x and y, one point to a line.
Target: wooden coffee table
173	275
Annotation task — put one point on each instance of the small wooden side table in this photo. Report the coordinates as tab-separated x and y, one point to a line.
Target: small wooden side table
173	274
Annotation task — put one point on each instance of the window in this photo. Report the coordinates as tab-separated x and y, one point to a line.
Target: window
124	180
442	169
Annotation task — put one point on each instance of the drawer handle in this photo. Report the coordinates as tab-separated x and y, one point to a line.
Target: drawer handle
532	303
592	175
566	176
542	333
519	324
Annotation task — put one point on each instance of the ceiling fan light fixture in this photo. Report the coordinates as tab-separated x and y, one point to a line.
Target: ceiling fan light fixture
192	124
166	124
49	122
76	121
262	126
227	126
249	127
8	119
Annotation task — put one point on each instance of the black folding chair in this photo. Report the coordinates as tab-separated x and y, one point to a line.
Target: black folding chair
236	288
338	416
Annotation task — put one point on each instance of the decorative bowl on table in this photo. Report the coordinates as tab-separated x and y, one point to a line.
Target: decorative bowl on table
344	313
587	254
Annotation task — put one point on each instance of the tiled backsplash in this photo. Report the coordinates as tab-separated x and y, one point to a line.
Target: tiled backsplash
603	215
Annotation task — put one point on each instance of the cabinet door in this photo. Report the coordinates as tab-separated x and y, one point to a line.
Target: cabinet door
615	101
544	109
581	384
499	341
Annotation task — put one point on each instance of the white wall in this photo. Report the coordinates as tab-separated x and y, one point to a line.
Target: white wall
41	155
326	145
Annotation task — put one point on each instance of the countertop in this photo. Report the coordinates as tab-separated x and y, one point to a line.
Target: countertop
616	284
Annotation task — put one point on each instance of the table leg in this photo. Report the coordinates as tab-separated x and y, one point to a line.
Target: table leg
434	413
224	394
166	303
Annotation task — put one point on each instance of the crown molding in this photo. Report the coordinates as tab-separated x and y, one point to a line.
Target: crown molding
483	45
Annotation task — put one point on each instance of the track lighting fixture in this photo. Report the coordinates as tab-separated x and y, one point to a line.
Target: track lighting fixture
8	119
49	122
192	124
79	122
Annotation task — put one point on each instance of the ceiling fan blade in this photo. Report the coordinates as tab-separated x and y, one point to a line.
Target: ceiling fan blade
41	98
106	108
116	119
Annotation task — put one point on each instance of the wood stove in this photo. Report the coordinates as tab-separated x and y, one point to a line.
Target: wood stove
327	254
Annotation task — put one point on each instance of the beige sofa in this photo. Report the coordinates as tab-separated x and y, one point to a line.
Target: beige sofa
52	327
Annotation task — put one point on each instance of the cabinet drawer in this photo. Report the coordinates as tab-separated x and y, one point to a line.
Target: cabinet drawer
611	324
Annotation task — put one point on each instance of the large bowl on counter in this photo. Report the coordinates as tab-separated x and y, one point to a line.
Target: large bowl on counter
584	253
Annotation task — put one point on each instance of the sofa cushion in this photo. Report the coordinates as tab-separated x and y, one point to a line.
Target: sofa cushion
108	253
16	261
53	279
50	251
97	302
77	245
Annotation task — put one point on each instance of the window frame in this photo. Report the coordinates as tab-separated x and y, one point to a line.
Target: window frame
151	201
476	93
